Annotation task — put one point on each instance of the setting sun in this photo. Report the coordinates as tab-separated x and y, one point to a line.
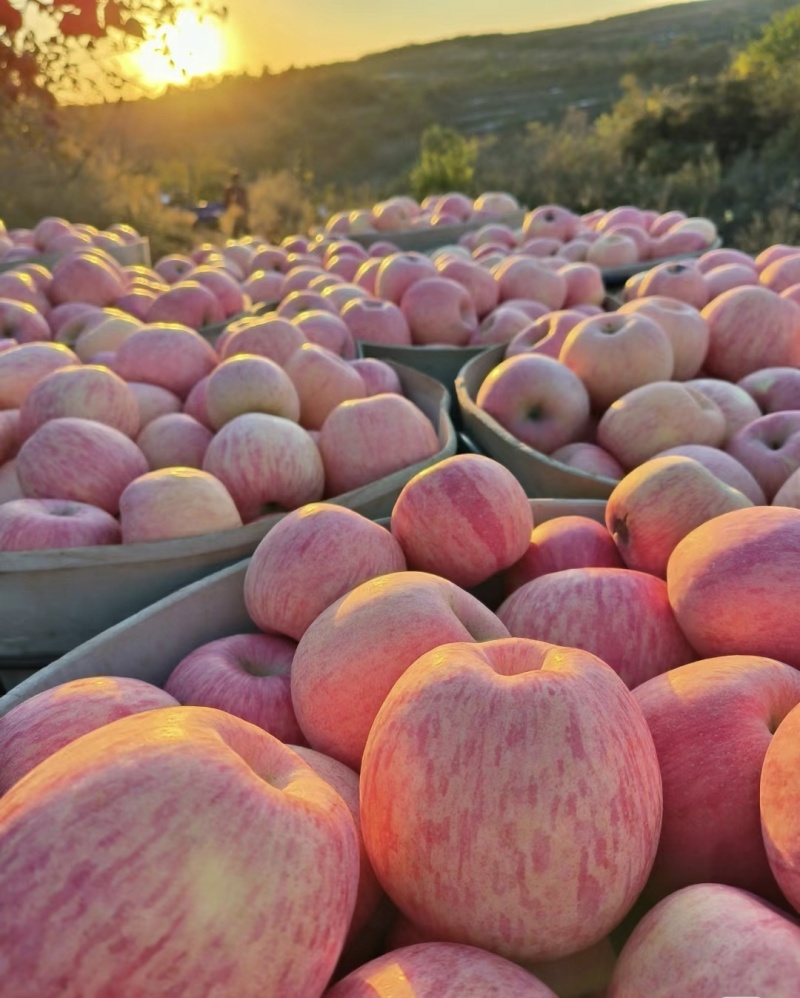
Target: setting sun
189	48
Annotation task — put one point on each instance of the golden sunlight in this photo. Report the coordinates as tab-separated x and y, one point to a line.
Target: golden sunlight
189	48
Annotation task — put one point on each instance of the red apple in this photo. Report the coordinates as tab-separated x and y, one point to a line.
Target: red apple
265	335
769	448
50	524
589	458
775	389
725	467
169	356
736	405
174	440
680	280
378	376
153	401
25	365
439	311
685	327
249	383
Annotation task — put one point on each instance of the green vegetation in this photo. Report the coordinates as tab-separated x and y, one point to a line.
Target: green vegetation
694	106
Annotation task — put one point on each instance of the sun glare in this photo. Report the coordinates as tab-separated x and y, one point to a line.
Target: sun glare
189	48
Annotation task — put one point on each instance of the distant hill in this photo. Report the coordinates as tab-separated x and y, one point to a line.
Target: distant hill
359	122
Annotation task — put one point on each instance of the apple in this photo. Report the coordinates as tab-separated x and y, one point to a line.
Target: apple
562	543
366	439
771	254
775	389
613	354
769	448
249	383
463	754
679	280
737	405
327	330
751	328
399	616
541	246
445	519
174	267
49	524
310	559
657	504
722	258
268	464
502	325
782	273
297	302
85	277
22	322
730	582
225	288
247	675
655	417
480	284
9	434
612	250
322	381
25	365
263	286
677	243
584	285
495	203
378	376
712	722
60	315
266	335
399	271
174	440
9	483
187	303
538	400
723	466
367	274
81	460
685	327
439	311
551	220
529	278
153	401
590	458
38	727
108	333
299	278
440	970
637	233
220	787
545	335
49	228
167	355
175	502
778	821
729	275
88	391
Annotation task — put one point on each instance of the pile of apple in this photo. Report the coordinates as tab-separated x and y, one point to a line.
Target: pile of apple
393	784
401	213
687	366
113	430
55	236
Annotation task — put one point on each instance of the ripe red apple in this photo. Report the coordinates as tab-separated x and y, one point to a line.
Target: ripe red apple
584	284
439	311
264	335
725	467
680	280
327	330
769	448
577	849
639	640
217	787
545	335
249	383
528	278
589	458
366	439
685	327
378	376
153	401
85	277
169	356
399	271
104	333
376	321
501	325
51	524
552	220
480	284
225	288
322	380
174	440
538	400
736	405
22	322
175	502
25	365
775	389
448	522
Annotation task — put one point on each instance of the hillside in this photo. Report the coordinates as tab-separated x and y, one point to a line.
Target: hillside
359	122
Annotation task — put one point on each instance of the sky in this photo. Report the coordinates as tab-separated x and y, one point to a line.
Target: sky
309	32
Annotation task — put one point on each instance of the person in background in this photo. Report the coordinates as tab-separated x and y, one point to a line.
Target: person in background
237	206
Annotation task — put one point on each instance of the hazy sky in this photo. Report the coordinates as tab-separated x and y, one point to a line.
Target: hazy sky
307	32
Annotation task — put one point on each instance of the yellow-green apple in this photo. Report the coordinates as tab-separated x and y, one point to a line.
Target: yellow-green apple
775	389
265	335
109	332
545	335
577	850
167	355
376	321
225	288
613	354
173	267
552	220
153	401
378	376
731	580
366	439
725	467
175	502
25	365
466	518
709	940
727	276
562	543
275	847
310	559
85	390
480	284
657	504
655	417
685	327
751	328
537	399
85	277
612	250
327	330
174	440
336	691
263	286
778	792
571	608
247	382
501	325
712	722
769	448
41	725
80	459
22	322
187	303
399	271
49	524
584	284
247	675
681	280
439	311
591	458
9	434
440	970
322	380
529	278
267	463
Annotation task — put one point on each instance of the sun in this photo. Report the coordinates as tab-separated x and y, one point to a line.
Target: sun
179	52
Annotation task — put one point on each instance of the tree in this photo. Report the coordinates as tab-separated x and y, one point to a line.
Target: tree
446	163
47	42
776	52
